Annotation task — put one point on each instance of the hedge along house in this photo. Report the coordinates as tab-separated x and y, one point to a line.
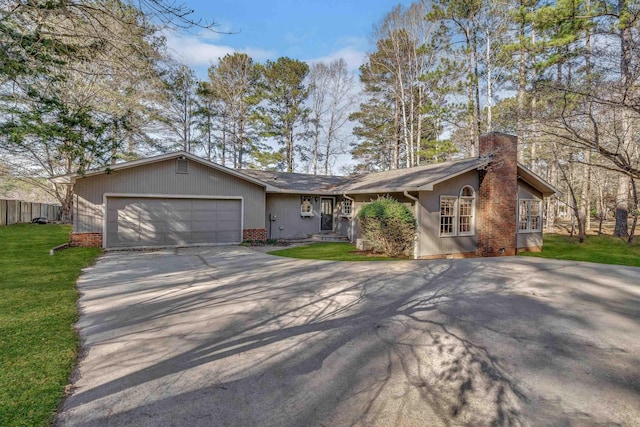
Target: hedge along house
485	206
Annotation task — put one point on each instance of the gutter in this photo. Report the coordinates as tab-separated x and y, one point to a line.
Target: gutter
353	207
416	205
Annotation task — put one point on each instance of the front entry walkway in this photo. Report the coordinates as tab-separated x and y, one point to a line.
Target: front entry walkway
232	337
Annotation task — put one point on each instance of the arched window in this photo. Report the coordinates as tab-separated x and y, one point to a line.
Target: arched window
457	213
466	211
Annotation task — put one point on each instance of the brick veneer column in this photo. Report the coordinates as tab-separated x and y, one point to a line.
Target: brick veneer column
255	234
88	240
498	196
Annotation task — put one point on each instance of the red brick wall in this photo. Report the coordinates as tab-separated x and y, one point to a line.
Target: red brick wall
498	196
254	234
88	240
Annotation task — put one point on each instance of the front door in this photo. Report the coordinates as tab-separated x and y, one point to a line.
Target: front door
326	214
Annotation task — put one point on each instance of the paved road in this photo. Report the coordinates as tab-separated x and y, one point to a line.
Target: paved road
232	337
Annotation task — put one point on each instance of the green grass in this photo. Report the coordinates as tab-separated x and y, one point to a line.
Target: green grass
329	252
38	345
601	249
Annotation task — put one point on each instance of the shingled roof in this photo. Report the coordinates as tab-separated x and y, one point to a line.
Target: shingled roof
408	179
411	179
298	182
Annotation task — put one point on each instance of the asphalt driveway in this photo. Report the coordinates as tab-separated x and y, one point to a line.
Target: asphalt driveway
232	337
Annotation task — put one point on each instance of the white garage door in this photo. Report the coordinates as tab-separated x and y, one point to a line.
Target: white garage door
135	222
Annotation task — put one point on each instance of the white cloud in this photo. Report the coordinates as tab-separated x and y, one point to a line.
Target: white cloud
198	50
352	56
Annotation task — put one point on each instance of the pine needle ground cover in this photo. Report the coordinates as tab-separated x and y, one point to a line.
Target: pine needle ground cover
601	249
330	252
38	345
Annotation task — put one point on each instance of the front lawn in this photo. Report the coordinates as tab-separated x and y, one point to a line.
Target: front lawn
38	345
601	249
330	252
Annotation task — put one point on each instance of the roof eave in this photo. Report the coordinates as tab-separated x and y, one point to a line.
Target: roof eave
536	181
278	190
71	178
380	190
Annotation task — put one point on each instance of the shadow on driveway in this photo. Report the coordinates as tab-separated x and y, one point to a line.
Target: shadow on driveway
228	336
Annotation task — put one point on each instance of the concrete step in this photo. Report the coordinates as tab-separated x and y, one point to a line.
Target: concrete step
329	237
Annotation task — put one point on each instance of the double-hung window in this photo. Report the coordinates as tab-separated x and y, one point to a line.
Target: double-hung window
466	211
529	215
457	214
448	215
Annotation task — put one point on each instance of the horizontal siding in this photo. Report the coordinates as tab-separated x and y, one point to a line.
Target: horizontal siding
429	241
525	191
288	223
529	240
161	179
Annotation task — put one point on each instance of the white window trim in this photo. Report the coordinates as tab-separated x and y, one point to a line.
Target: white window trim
455	216
302	200
540	215
342	206
472	225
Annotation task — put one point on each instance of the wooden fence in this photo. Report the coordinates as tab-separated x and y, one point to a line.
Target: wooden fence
15	211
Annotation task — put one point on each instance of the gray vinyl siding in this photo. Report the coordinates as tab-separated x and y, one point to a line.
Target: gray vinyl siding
288	223
161	179
529	239
429	242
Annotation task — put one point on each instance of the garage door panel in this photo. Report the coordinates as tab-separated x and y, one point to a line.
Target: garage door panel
152	240
178	215
205	205
119	204
178	226
203	226
164	221
179	238
203	215
227	215
227	223
228	235
204	237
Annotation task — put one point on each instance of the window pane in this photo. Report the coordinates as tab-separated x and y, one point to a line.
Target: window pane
346	207
523	216
535	211
465	215
305	206
447	216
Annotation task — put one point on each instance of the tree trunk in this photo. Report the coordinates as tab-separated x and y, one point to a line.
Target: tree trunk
634	192
622	207
585	196
473	142
489	85
522	81
476	88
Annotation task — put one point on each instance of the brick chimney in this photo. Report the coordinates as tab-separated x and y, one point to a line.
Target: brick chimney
498	195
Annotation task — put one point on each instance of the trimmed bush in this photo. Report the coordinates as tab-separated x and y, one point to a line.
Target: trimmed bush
388	225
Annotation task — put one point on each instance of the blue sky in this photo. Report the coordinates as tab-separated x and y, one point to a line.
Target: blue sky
308	30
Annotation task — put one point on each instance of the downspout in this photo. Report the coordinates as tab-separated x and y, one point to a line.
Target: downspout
416	206
353	208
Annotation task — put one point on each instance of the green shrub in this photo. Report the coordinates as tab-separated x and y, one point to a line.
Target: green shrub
388	225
